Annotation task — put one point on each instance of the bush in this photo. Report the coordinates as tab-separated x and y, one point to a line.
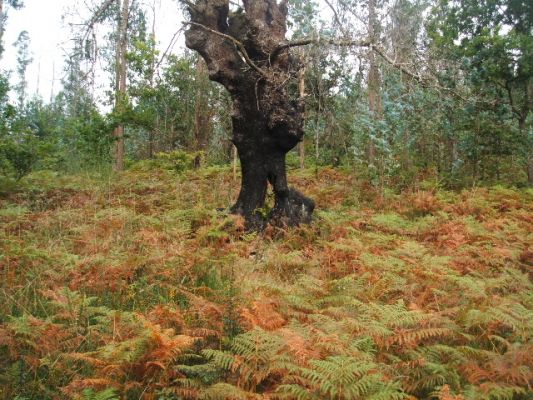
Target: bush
178	161
16	160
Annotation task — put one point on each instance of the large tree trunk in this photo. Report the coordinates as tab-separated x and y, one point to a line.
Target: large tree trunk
263	163
242	52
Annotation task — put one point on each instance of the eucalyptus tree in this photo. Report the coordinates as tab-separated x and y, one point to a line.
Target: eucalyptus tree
24	59
118	12
4	5
492	41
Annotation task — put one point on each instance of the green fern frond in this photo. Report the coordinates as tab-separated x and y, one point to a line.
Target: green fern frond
497	392
226	391
220	359
294	392
107	394
389	391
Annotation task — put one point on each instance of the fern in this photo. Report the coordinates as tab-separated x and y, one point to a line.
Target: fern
339	377
255	357
226	391
107	394
503	392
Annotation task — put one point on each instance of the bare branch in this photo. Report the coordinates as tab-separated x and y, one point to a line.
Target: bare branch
319	40
389	60
169	48
237	43
421	80
96	16
337	19
364	43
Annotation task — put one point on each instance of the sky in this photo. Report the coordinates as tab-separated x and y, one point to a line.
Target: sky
50	37
47	23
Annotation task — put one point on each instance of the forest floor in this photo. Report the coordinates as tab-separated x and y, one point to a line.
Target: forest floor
136	287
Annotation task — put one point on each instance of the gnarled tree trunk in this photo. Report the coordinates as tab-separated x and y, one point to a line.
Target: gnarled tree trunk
244	51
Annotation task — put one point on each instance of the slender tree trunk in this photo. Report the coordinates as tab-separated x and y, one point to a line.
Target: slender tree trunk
153	129
2	27
301	90
121	75
530	169
529	152
1	20
151	144
317	137
202	111
374	97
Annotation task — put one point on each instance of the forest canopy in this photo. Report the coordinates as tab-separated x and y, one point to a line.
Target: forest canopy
426	89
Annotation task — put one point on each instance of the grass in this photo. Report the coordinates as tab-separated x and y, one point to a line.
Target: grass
136	287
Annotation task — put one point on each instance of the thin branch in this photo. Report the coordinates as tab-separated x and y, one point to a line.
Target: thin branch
363	43
389	60
336	16
168	49
237	43
318	40
423	82
96	16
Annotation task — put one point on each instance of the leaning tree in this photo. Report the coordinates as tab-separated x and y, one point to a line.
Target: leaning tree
246	51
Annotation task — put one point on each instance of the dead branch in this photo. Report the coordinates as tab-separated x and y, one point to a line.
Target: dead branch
236	42
318	40
97	15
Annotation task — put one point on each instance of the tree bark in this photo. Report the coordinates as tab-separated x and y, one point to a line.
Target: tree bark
2	22
203	125
121	74
301	93
374	96
522	126
529	165
234	158
241	50
1	19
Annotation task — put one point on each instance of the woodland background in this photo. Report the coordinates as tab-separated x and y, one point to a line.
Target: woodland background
449	97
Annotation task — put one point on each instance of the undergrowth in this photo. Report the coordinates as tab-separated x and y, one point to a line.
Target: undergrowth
139	287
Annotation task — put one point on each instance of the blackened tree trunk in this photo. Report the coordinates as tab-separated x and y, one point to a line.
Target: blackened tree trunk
244	51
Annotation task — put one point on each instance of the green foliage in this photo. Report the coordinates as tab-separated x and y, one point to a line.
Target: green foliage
16	160
341	377
107	394
491	43
176	161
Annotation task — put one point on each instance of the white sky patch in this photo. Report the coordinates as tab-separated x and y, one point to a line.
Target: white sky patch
50	38
42	20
